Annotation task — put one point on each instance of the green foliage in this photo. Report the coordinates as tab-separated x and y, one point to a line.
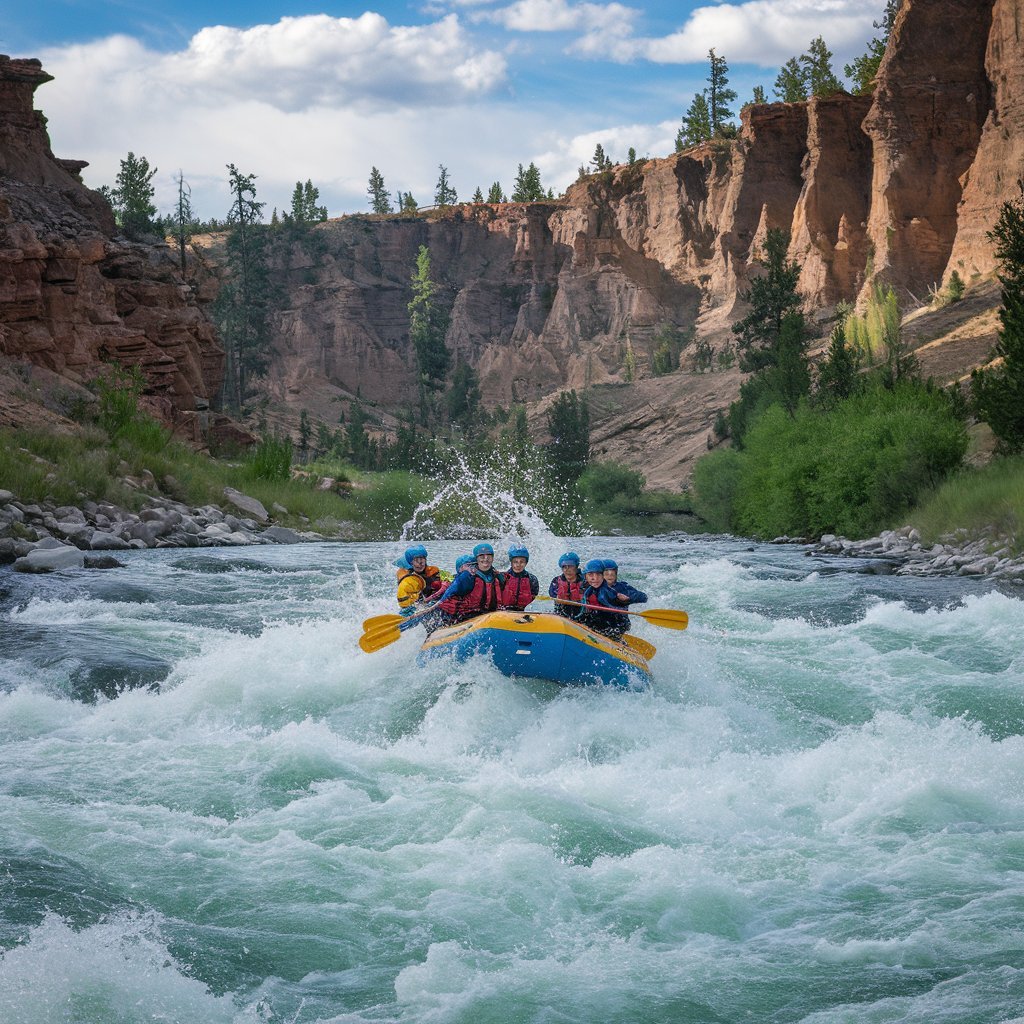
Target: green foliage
380	201
877	334
132	196
819	77
669	343
183	219
631	157
606	483
703	356
407	204
790	85
444	191
305	204
478	195
428	325
716	479
119	390
629	363
864	69
851	470
696	126
838	374
719	95
999	390
271	459
600	160
569	426
759	96
463	397
955	287
528	187
495	194
772	296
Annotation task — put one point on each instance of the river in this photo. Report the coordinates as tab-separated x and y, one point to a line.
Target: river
215	808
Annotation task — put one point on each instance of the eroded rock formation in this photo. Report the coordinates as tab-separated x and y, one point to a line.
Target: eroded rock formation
73	295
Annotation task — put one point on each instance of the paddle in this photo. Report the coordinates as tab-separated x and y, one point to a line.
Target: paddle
667	618
641	646
390	628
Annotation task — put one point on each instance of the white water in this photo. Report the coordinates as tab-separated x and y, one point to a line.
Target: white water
816	813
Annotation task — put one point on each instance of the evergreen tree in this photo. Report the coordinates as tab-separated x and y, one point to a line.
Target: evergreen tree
771	297
569	426
242	308
495	195
360	447
600	160
696	126
409	204
819	78
838	374
999	391
463	397
444	193
380	202
759	96
791	85
132	196
528	188
478	195
305	204
428	325
183	218
631	156
791	376
305	435
864	69
297	212
719	95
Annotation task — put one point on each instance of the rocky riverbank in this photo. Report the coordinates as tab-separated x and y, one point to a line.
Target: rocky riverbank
43	537
907	555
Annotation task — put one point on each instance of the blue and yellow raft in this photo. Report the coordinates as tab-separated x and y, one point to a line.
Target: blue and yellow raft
541	646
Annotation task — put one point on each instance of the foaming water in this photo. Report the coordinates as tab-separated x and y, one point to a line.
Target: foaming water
815	813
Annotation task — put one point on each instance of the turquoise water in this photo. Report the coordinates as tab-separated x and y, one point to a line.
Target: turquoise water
215	808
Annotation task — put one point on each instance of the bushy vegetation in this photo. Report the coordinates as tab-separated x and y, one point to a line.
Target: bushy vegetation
852	469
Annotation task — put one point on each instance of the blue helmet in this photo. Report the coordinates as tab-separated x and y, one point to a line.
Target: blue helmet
569	558
401	562
416	551
483	549
594	565
518	551
610	563
462	560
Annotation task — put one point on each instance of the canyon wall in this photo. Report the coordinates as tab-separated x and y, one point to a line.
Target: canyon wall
73	295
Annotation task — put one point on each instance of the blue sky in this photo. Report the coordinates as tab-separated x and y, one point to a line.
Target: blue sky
290	91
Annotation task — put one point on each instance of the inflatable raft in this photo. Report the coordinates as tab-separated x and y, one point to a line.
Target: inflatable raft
541	646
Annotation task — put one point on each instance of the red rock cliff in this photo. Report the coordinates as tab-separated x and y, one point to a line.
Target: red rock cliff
72	295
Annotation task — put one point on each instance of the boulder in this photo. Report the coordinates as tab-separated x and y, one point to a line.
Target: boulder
250	506
281	535
50	560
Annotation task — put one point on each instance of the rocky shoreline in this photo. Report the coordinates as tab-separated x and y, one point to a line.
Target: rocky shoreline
906	555
44	537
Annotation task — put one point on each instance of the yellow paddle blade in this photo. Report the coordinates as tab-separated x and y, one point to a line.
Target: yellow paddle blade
641	646
665	617
374	640
379	621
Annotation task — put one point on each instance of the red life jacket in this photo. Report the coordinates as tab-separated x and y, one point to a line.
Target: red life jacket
516	591
482	598
566	591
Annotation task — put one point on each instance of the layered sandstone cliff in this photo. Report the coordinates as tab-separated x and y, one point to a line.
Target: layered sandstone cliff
73	295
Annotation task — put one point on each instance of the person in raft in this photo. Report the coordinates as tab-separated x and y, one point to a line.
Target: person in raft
518	587
474	591
597	595
568	586
625	593
417	581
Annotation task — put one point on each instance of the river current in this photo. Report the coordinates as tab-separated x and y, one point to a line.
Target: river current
215	808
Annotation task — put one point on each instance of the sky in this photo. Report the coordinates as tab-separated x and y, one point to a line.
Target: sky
322	90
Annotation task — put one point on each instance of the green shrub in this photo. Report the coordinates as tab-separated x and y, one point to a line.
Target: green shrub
271	459
603	483
715	481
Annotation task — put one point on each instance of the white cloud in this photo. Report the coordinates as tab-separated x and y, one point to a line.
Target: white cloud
764	32
561	16
566	153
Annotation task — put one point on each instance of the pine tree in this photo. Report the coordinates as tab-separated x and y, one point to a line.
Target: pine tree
718	92
428	325
631	156
379	199
528	188
478	195
444	193
696	126
863	71
495	194
759	96
791	85
819	77
315	213
771	297
305	435
600	160
999	391
132	196
184	219
463	398
569	426
409	204
242	308
838	374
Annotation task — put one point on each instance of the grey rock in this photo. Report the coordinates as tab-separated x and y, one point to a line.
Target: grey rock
5	496
107	542
48	544
281	535
50	560
250	506
102	562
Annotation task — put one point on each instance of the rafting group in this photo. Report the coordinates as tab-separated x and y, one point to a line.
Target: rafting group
596	598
